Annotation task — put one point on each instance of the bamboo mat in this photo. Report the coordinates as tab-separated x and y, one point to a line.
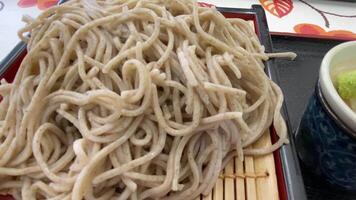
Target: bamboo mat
253	179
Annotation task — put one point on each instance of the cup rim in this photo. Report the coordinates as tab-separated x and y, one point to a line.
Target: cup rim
326	107
337	104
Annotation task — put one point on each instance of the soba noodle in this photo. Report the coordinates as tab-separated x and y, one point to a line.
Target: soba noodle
133	99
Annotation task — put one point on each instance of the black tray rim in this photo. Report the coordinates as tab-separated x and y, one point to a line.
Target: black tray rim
290	163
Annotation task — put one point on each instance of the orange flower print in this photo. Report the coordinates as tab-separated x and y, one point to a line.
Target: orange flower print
203	4
41	4
315	30
278	8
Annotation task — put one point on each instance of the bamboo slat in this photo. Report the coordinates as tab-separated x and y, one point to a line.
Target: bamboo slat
252	179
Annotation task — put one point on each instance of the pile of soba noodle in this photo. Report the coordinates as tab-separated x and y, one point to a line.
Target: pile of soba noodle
133	99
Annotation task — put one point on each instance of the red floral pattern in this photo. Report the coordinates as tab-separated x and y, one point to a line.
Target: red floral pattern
41	4
202	4
278	8
315	30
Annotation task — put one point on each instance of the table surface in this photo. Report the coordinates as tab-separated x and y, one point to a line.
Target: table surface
297	80
306	17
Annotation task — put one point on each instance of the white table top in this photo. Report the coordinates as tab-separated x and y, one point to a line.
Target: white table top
288	16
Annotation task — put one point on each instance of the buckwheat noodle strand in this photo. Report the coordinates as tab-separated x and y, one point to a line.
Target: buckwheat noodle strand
133	99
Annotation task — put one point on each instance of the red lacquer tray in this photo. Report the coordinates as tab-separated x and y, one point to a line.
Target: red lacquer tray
289	180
